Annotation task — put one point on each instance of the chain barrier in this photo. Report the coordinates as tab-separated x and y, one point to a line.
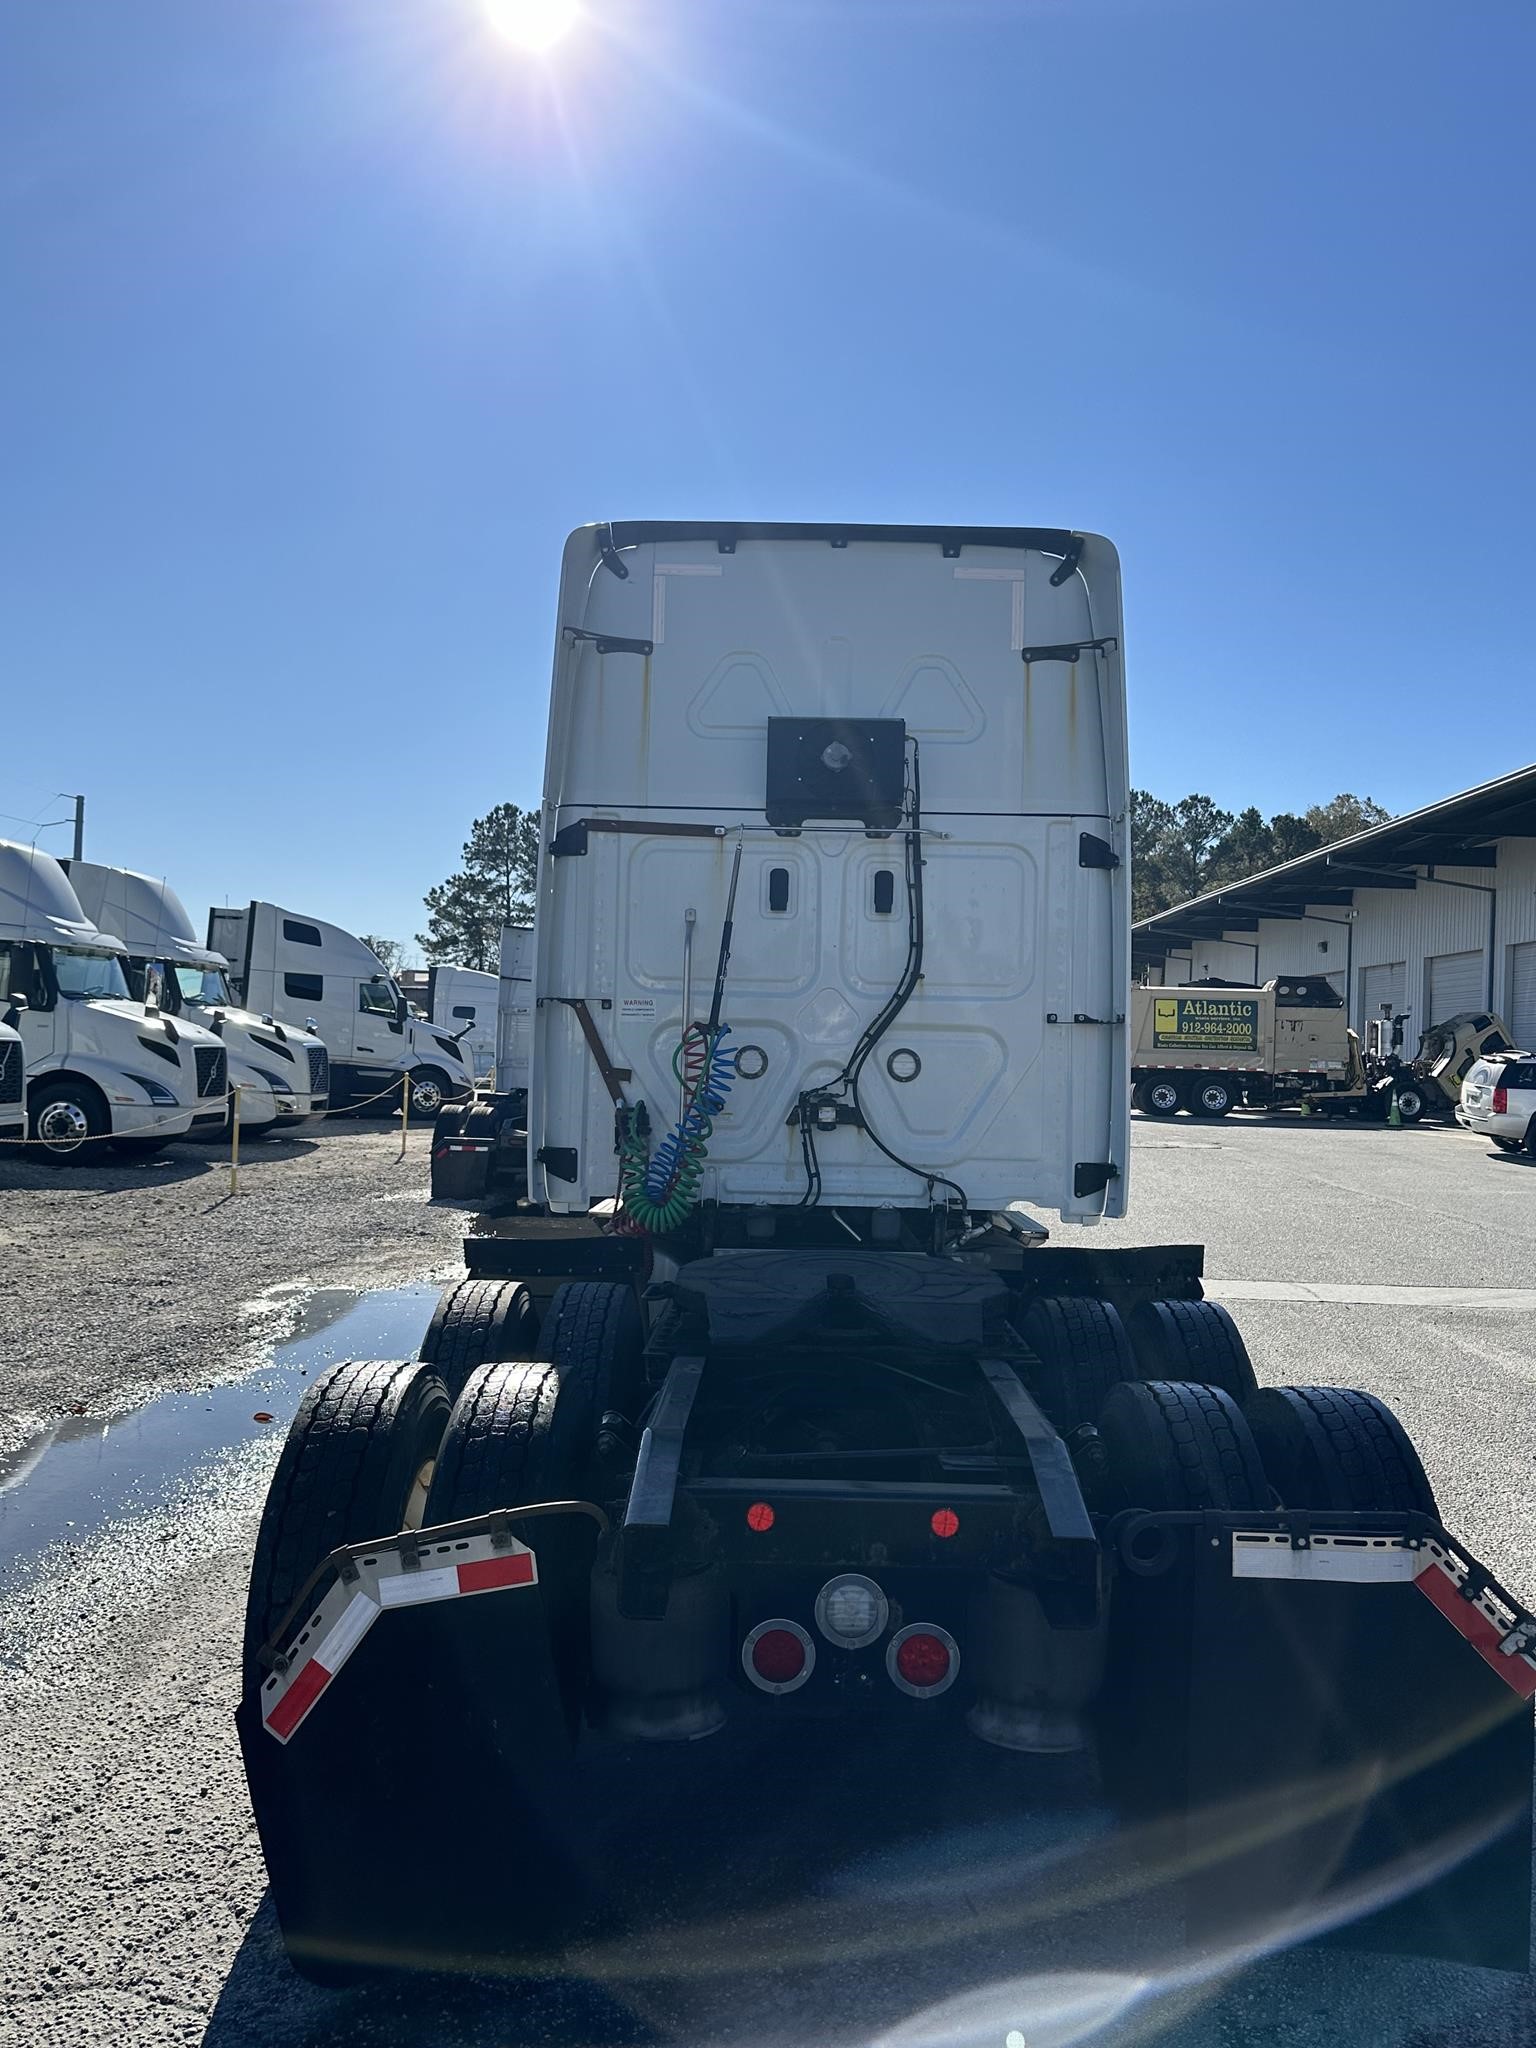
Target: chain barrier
403	1087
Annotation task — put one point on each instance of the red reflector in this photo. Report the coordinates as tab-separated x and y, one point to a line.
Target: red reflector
760	1516
778	1656
1501	1102
923	1660
944	1522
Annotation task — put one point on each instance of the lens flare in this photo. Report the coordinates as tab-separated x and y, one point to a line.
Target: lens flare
532	24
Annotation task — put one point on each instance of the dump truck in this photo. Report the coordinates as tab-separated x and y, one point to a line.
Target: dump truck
777	1492
1212	1046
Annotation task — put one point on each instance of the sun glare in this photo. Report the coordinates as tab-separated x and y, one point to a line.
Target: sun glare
532	24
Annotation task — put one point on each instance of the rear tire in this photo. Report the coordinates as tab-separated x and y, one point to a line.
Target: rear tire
1332	1447
1212	1097
1193	1340
479	1322
594	1335
1176	1445
1162	1096
357	1464
520	1434
1083	1351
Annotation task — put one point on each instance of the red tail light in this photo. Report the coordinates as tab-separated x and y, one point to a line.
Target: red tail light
1501	1101
923	1659
778	1656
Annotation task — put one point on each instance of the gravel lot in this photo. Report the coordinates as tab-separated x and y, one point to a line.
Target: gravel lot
131	1890
122	1279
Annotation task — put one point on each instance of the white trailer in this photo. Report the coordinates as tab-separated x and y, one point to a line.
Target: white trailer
303	971
98	1064
282	1070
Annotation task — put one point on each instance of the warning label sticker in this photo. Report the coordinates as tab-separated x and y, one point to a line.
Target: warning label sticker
1206	1023
637	1006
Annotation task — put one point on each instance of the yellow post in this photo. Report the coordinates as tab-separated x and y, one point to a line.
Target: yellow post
234	1140
405	1113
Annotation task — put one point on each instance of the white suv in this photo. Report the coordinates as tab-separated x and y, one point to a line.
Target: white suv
1498	1100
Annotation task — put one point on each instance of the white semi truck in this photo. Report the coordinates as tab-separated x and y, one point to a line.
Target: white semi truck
99	1065
13	1085
775	1512
282	1070
302	971
460	1001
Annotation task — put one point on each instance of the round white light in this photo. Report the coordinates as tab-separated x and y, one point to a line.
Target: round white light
533	24
851	1610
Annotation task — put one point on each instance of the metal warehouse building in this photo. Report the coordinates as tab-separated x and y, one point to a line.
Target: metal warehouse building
1429	915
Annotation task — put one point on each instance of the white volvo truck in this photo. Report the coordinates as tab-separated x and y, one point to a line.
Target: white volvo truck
282	1070
99	1065
794	1552
303	971
13	1085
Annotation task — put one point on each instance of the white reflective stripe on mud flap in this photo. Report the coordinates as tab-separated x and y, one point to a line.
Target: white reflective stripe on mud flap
477	1564
1498	1635
409	1589
357	1617
1351	1560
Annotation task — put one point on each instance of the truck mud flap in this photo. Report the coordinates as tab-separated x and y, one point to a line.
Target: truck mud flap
1325	1723
406	1763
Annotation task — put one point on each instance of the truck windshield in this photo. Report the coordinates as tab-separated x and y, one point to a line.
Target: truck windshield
204	986
86	975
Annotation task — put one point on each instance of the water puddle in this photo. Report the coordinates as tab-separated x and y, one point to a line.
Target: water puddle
66	1486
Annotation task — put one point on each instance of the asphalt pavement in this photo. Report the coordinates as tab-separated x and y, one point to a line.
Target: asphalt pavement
132	1897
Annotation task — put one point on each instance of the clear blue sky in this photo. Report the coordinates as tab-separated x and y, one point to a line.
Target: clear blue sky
324	321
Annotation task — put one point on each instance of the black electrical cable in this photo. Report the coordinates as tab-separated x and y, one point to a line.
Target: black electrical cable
875	1030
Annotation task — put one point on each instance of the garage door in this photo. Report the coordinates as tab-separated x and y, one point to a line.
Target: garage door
1456	983
1522	996
1382	990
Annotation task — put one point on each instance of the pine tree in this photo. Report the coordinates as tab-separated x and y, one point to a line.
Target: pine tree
494	887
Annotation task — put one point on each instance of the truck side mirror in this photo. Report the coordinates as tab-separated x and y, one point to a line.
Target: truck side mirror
13	1014
402	1009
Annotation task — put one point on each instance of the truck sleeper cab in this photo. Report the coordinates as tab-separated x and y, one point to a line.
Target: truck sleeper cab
99	1066
283	1072
303	971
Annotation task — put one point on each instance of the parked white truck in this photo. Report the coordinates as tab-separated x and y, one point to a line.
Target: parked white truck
792	1509
282	1070
460	1001
99	1065
303	971
13	1084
